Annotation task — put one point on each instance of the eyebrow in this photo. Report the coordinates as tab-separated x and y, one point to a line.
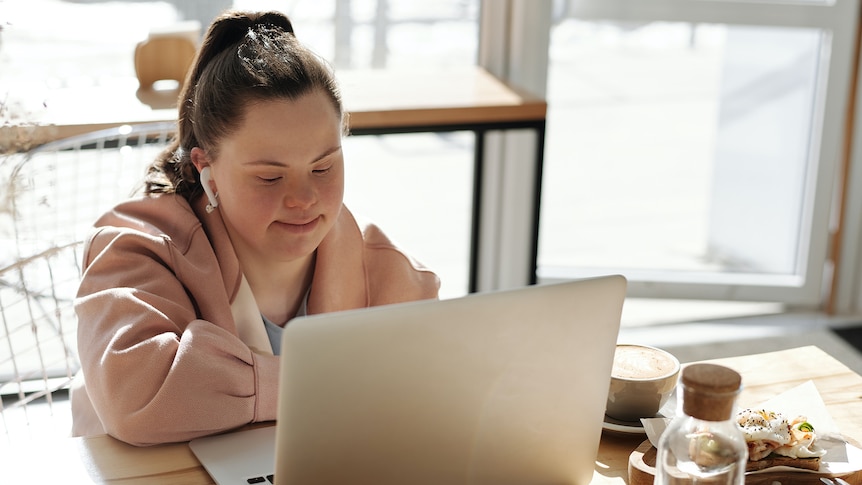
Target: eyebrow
276	163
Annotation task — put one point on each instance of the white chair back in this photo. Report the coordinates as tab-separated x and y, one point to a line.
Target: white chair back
49	199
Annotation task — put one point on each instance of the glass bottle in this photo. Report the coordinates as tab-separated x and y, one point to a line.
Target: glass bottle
703	443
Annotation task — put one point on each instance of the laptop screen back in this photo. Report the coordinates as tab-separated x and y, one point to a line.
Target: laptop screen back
498	387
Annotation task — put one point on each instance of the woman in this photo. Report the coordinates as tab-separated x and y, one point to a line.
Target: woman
185	291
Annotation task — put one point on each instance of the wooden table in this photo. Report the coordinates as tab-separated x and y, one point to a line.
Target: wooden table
379	102
106	460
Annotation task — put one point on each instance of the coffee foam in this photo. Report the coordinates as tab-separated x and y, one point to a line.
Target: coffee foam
638	362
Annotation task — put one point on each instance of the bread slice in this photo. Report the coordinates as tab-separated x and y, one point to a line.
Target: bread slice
778	460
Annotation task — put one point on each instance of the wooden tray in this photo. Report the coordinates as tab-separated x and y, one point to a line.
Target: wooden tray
642	472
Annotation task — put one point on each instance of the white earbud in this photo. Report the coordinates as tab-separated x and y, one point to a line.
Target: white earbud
206	177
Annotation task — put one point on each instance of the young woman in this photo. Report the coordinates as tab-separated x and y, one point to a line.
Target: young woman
185	291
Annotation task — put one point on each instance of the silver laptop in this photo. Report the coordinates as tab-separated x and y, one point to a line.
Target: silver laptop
499	387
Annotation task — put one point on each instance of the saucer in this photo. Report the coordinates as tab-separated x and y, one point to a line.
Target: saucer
625	427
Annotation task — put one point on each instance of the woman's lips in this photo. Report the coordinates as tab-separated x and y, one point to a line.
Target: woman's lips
299	227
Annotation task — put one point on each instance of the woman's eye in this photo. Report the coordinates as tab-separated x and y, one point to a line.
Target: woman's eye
269	180
322	169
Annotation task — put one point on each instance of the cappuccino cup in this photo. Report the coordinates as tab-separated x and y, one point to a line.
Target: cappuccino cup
642	380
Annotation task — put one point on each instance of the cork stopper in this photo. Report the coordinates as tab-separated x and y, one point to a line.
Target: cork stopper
709	391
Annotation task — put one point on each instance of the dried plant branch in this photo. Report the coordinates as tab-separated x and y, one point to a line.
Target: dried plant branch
15	141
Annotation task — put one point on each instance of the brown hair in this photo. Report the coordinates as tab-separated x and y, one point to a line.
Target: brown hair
245	58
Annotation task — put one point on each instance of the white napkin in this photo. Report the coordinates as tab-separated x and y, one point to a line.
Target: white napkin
803	400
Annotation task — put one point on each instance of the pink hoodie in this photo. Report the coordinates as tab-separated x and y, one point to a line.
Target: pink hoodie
166	325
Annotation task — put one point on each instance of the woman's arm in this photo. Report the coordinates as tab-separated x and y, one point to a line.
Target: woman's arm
155	371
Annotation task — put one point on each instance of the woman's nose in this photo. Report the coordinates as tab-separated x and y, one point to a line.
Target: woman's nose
299	194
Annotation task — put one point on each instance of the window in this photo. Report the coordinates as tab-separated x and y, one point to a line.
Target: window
695	156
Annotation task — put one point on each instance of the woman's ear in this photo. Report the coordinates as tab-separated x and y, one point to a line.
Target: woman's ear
202	163
200	159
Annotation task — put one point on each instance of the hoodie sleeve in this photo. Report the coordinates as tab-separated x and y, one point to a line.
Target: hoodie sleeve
157	369
393	275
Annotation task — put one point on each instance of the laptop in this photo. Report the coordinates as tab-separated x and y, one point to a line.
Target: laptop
499	387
